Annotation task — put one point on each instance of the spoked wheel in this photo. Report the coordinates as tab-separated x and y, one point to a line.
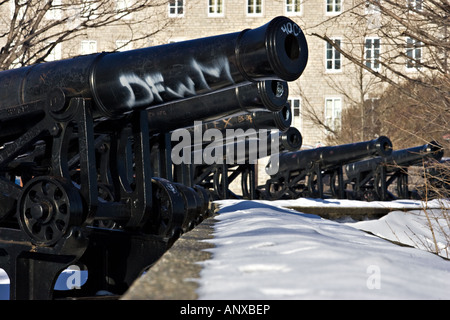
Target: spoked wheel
275	189
313	185
248	184
169	213
402	186
48	208
378	191
297	188
220	182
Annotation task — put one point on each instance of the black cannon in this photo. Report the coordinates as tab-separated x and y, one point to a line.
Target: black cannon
260	119
257	105
215	166
302	173
268	95
77	183
370	179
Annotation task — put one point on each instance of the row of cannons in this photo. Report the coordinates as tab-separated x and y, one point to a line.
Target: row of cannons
106	159
369	170
87	144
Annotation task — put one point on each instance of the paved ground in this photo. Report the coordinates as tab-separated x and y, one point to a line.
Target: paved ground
173	275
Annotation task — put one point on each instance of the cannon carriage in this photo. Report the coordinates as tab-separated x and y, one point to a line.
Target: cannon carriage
303	173
371	179
79	137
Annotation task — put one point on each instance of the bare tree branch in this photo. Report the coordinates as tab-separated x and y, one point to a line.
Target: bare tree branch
37	27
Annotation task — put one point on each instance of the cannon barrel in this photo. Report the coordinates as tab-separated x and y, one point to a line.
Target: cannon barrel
261	119
291	140
268	95
398	158
120	82
248	147
414	155
334	155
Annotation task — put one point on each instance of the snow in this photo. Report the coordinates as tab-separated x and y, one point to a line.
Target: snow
264	250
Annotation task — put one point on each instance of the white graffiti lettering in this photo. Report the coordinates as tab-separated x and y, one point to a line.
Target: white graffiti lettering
131	82
291	28
142	91
220	66
183	89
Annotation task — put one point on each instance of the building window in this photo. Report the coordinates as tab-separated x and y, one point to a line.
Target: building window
176	8
123	45
372	7
333	113
55	54
413	54
215	8
176	39
296	104
334	6
88	46
54	13
293	7
373	14
415	5
123	9
372	53
89	10
333	56
254	7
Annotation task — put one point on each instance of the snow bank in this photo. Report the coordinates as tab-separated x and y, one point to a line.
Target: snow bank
268	252
427	230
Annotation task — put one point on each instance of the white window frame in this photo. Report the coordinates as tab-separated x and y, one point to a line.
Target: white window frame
88	47
296	108
123	5
290	8
176	39
176	5
333	59
87	7
370	8
127	45
56	53
373	50
336	113
373	14
333	4
55	12
253	5
414	5
416	54
214	6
